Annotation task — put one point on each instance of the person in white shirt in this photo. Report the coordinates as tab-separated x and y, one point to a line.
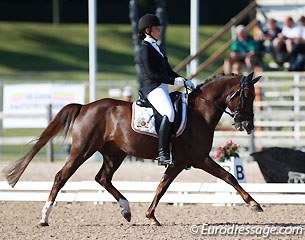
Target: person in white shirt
283	45
297	55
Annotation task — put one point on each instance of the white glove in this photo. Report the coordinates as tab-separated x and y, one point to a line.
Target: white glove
190	84
179	81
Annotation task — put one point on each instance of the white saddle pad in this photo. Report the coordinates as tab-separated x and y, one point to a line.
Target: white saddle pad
143	120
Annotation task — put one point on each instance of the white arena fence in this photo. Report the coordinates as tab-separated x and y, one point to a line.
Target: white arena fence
143	192
279	114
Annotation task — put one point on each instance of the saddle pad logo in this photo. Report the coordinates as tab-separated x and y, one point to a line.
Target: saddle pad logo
142	123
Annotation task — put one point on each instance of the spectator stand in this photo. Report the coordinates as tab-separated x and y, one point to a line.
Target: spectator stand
278	10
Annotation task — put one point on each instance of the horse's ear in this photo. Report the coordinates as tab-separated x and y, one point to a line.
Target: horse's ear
255	80
249	77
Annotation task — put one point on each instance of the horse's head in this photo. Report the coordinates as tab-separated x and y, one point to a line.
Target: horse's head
240	102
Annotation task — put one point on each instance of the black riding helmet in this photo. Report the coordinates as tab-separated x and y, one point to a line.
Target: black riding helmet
147	21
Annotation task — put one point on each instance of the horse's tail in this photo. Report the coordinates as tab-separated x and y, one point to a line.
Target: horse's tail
62	122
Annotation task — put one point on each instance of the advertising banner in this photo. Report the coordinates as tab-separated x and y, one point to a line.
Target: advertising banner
28	100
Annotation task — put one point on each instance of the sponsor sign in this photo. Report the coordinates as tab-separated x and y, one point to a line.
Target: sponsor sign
28	100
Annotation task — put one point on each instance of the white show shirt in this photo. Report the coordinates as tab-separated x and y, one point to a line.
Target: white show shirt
154	44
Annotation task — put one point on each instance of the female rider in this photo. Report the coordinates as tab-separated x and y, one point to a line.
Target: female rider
155	74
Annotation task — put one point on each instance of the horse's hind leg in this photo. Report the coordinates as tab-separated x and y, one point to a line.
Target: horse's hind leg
170	174
104	177
210	166
76	159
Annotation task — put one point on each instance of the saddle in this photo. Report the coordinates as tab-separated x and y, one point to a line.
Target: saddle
150	118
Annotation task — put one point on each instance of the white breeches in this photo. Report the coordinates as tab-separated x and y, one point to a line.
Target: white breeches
159	98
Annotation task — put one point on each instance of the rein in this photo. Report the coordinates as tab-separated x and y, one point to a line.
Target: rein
220	108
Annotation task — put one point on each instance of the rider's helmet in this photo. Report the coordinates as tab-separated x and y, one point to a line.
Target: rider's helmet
147	21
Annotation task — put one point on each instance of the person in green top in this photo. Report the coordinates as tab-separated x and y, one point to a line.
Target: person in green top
244	50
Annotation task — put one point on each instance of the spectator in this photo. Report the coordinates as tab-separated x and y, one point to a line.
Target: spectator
297	55
286	40
269	34
243	51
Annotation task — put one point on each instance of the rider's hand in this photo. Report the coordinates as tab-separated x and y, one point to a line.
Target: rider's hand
189	84
179	81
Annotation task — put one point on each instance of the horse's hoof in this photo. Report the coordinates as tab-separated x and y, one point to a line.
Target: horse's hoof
154	222
43	224
257	208
127	215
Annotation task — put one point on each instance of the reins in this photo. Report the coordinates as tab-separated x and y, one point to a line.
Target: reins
220	108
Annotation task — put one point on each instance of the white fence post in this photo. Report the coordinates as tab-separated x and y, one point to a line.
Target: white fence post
296	98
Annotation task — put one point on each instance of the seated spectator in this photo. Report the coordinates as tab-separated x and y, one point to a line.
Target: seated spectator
286	40
269	34
243	51
297	55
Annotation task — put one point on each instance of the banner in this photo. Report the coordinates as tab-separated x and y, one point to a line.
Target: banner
28	100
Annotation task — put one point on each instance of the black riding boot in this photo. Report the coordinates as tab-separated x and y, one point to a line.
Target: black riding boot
164	157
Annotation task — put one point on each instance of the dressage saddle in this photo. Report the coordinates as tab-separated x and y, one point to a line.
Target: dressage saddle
177	103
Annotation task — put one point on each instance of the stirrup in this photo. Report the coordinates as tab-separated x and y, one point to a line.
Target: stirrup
163	161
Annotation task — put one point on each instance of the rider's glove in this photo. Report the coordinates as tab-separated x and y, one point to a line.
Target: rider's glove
189	84
179	81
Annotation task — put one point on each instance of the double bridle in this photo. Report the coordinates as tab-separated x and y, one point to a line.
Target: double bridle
241	93
240	106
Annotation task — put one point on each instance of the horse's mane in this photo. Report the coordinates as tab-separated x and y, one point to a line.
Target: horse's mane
197	91
214	78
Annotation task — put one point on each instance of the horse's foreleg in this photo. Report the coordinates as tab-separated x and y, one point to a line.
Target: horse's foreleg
168	177
104	177
210	166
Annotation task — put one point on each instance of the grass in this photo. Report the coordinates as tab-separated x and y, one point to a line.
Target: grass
42	51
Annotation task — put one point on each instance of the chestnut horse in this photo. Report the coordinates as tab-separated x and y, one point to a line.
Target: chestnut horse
105	126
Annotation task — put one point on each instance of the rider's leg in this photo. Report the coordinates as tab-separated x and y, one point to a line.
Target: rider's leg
160	99
164	140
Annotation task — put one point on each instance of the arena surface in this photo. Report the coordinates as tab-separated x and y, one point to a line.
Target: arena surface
18	220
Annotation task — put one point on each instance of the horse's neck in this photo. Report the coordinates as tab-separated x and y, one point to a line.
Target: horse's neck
209	112
209	106
211	103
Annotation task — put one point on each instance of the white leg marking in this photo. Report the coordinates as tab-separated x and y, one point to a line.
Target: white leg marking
124	204
46	212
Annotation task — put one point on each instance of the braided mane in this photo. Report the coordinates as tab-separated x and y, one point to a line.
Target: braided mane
198	90
214	78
